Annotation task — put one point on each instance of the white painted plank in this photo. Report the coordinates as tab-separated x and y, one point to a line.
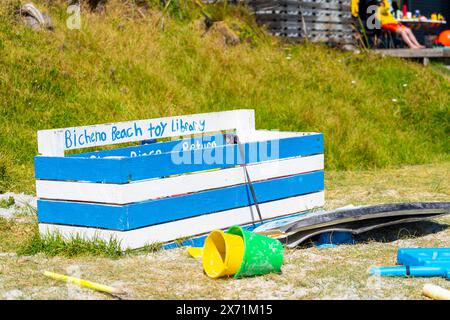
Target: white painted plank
54	142
166	187
193	226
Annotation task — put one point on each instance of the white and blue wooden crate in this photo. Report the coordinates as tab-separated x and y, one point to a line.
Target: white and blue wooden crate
170	189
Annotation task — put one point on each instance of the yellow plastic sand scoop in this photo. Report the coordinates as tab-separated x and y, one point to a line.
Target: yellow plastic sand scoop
195	252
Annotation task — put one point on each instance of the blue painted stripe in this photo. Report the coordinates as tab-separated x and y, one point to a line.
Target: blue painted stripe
156	147
142	214
124	170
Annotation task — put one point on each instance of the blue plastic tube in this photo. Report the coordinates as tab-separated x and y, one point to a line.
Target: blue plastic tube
413	271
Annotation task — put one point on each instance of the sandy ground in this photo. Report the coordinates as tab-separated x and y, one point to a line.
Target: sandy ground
307	273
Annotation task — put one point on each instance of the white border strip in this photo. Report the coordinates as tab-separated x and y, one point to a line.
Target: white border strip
193	226
166	187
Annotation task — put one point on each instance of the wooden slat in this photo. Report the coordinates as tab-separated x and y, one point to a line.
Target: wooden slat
306	13
118	170
338	5
55	141
288	17
310	27
415	53
316	33
193	143
142	214
317	37
325	20
193	226
328	35
166	187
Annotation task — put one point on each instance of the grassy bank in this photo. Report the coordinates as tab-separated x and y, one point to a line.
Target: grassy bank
375	112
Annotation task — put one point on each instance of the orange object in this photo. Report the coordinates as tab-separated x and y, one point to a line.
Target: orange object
444	38
392	26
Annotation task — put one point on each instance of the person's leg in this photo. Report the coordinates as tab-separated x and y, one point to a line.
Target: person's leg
402	31
412	37
404	34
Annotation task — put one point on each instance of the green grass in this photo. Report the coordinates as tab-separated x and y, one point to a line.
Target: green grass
21	236
151	247
56	245
6	203
24	239
124	66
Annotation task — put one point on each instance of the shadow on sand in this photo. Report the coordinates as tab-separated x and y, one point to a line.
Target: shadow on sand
409	230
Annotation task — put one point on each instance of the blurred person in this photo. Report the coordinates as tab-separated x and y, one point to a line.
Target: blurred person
388	22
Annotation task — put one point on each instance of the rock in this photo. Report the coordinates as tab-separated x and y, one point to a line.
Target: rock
228	35
351	48
31	22
34	18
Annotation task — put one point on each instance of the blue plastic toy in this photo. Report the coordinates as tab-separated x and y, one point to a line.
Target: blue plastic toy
418	262
333	239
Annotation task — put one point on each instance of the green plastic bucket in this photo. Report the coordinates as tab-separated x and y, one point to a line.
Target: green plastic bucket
262	254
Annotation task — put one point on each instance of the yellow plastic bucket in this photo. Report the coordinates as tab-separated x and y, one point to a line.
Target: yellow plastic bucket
222	254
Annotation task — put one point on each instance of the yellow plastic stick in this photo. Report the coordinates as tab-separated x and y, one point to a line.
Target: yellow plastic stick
435	292
81	282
